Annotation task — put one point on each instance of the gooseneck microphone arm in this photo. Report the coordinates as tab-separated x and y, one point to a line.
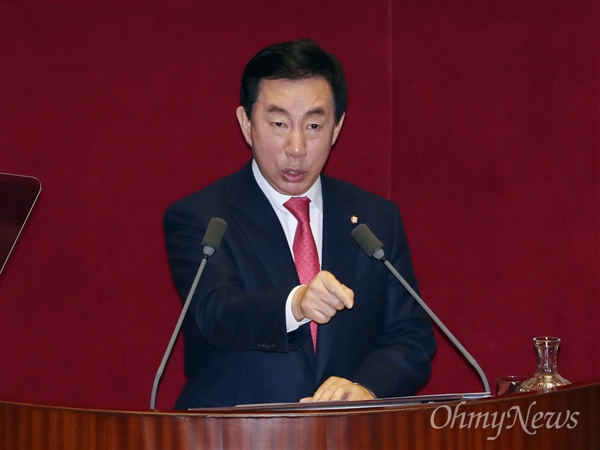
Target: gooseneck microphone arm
210	244
374	248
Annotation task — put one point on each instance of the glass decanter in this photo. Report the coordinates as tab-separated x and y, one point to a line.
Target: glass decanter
546	377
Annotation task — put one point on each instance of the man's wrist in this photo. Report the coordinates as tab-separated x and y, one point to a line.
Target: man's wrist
290	318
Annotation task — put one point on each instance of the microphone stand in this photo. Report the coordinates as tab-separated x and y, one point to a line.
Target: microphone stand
167	354
210	244
374	248
439	323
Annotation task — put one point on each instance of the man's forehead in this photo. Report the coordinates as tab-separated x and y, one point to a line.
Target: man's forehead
313	90
289	83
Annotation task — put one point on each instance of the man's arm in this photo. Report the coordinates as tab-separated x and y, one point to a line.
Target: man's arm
236	306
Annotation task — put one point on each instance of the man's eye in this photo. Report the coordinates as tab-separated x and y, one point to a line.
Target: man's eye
278	124
314	126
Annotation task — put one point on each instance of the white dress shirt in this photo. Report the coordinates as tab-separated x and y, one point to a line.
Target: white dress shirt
289	224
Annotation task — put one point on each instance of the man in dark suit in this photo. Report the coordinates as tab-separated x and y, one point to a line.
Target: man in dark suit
247	333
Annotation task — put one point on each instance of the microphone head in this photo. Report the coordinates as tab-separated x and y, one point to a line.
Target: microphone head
368	241
214	236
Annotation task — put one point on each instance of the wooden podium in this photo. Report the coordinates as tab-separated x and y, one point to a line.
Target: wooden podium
565	419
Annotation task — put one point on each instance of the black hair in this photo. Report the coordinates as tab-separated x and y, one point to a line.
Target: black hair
294	60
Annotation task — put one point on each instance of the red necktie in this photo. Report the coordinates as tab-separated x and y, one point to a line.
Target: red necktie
305	250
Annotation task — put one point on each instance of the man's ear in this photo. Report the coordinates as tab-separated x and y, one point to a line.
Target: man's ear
337	129
245	125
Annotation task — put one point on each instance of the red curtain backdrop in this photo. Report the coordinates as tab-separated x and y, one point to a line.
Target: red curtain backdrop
480	119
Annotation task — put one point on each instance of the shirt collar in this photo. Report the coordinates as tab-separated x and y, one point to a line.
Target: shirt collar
277	199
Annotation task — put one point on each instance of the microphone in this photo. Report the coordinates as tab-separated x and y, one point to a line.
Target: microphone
374	248
210	244
214	235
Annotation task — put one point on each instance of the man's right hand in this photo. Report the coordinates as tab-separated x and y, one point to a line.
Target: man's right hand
320	300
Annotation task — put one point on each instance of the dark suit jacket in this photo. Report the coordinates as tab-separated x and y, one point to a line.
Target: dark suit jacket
237	350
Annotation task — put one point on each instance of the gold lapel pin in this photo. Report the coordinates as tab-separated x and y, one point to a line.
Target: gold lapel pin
354	219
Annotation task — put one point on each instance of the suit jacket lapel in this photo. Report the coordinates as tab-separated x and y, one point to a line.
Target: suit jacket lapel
339	257
261	225
259	222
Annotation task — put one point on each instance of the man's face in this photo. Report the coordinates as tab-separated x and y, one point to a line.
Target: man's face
291	131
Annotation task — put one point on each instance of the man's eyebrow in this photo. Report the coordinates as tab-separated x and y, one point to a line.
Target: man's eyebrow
318	111
276	109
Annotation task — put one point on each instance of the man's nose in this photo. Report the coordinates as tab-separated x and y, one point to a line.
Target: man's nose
296	145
